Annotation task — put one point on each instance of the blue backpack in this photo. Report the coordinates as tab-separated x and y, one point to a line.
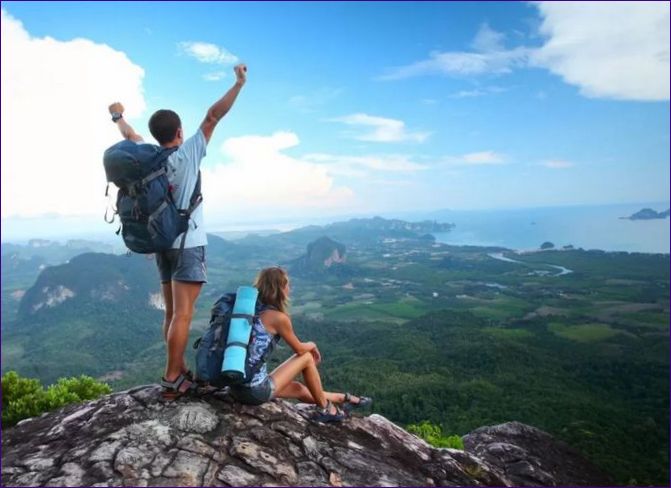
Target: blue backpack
223	352
150	220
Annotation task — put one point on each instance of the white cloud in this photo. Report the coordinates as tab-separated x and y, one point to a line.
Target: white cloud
462	64
214	76
617	50
557	164
478	92
261	178
468	93
207	53
55	125
489	56
362	166
488	40
475	159
609	50
381	129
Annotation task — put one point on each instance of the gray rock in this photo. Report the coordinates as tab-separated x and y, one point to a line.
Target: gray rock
254	455
195	418
105	451
528	456
235	476
130	461
72	476
187	469
136	438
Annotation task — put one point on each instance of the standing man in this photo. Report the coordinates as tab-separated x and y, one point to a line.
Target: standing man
183	276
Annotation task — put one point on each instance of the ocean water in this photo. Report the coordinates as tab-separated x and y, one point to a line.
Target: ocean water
589	227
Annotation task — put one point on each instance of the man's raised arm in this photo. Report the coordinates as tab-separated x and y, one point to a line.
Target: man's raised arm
116	111
224	104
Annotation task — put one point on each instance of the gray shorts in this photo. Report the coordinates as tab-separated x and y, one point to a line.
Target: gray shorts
190	268
254	395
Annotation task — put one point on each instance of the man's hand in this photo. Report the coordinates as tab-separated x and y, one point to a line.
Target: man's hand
240	73
224	104
116	107
124	127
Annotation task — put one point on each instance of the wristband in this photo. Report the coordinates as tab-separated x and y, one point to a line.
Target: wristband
116	116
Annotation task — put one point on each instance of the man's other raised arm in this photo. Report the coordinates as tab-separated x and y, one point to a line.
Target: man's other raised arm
224	104
116	111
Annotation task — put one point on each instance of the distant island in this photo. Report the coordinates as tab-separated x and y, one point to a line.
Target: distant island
648	214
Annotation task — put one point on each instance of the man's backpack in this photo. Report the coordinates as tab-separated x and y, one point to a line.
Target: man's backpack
150	220
222	353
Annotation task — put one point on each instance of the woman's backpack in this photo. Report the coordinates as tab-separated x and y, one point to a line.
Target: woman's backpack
222	353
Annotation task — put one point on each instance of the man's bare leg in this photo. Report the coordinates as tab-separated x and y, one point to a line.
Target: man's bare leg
166	291
184	296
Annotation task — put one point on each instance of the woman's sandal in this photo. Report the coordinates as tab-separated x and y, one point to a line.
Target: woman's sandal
324	414
172	390
364	402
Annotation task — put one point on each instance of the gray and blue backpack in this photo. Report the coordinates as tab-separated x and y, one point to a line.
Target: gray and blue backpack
150	220
223	353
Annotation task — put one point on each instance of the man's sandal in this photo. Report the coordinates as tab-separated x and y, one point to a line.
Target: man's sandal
329	414
172	390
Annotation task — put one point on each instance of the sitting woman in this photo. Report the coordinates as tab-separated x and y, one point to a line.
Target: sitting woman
274	324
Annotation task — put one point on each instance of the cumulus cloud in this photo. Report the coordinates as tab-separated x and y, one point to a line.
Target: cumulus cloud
381	129
259	176
207	53
557	164
609	50
476	159
54	120
488	56
616	50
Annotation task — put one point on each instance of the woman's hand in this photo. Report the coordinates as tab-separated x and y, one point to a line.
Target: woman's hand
311	347
316	355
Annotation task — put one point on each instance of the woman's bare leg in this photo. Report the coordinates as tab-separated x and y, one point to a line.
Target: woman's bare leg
285	386
300	392
285	373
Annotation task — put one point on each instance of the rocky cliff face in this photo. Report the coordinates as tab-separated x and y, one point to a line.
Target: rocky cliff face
135	438
321	256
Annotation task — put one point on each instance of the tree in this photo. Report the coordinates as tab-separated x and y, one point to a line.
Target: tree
433	434
547	245
26	397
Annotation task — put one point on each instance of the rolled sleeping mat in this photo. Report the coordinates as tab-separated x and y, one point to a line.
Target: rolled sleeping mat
235	355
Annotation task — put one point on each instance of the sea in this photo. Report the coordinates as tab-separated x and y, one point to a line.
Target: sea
588	227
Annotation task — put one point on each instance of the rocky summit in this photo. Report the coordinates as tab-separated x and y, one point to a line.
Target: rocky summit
135	438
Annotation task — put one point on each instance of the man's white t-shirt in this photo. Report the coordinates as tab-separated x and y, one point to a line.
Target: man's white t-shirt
183	166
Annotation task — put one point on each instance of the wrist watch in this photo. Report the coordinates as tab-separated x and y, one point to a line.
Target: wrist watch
116	116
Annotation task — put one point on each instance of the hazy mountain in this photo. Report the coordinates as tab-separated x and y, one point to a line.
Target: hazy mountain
89	316
648	214
53	252
358	231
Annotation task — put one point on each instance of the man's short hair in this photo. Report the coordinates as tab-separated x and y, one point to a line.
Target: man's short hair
163	125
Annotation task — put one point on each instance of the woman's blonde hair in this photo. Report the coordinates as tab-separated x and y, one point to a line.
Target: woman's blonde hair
271	283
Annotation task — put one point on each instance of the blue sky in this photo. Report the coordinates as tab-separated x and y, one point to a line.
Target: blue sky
349	107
